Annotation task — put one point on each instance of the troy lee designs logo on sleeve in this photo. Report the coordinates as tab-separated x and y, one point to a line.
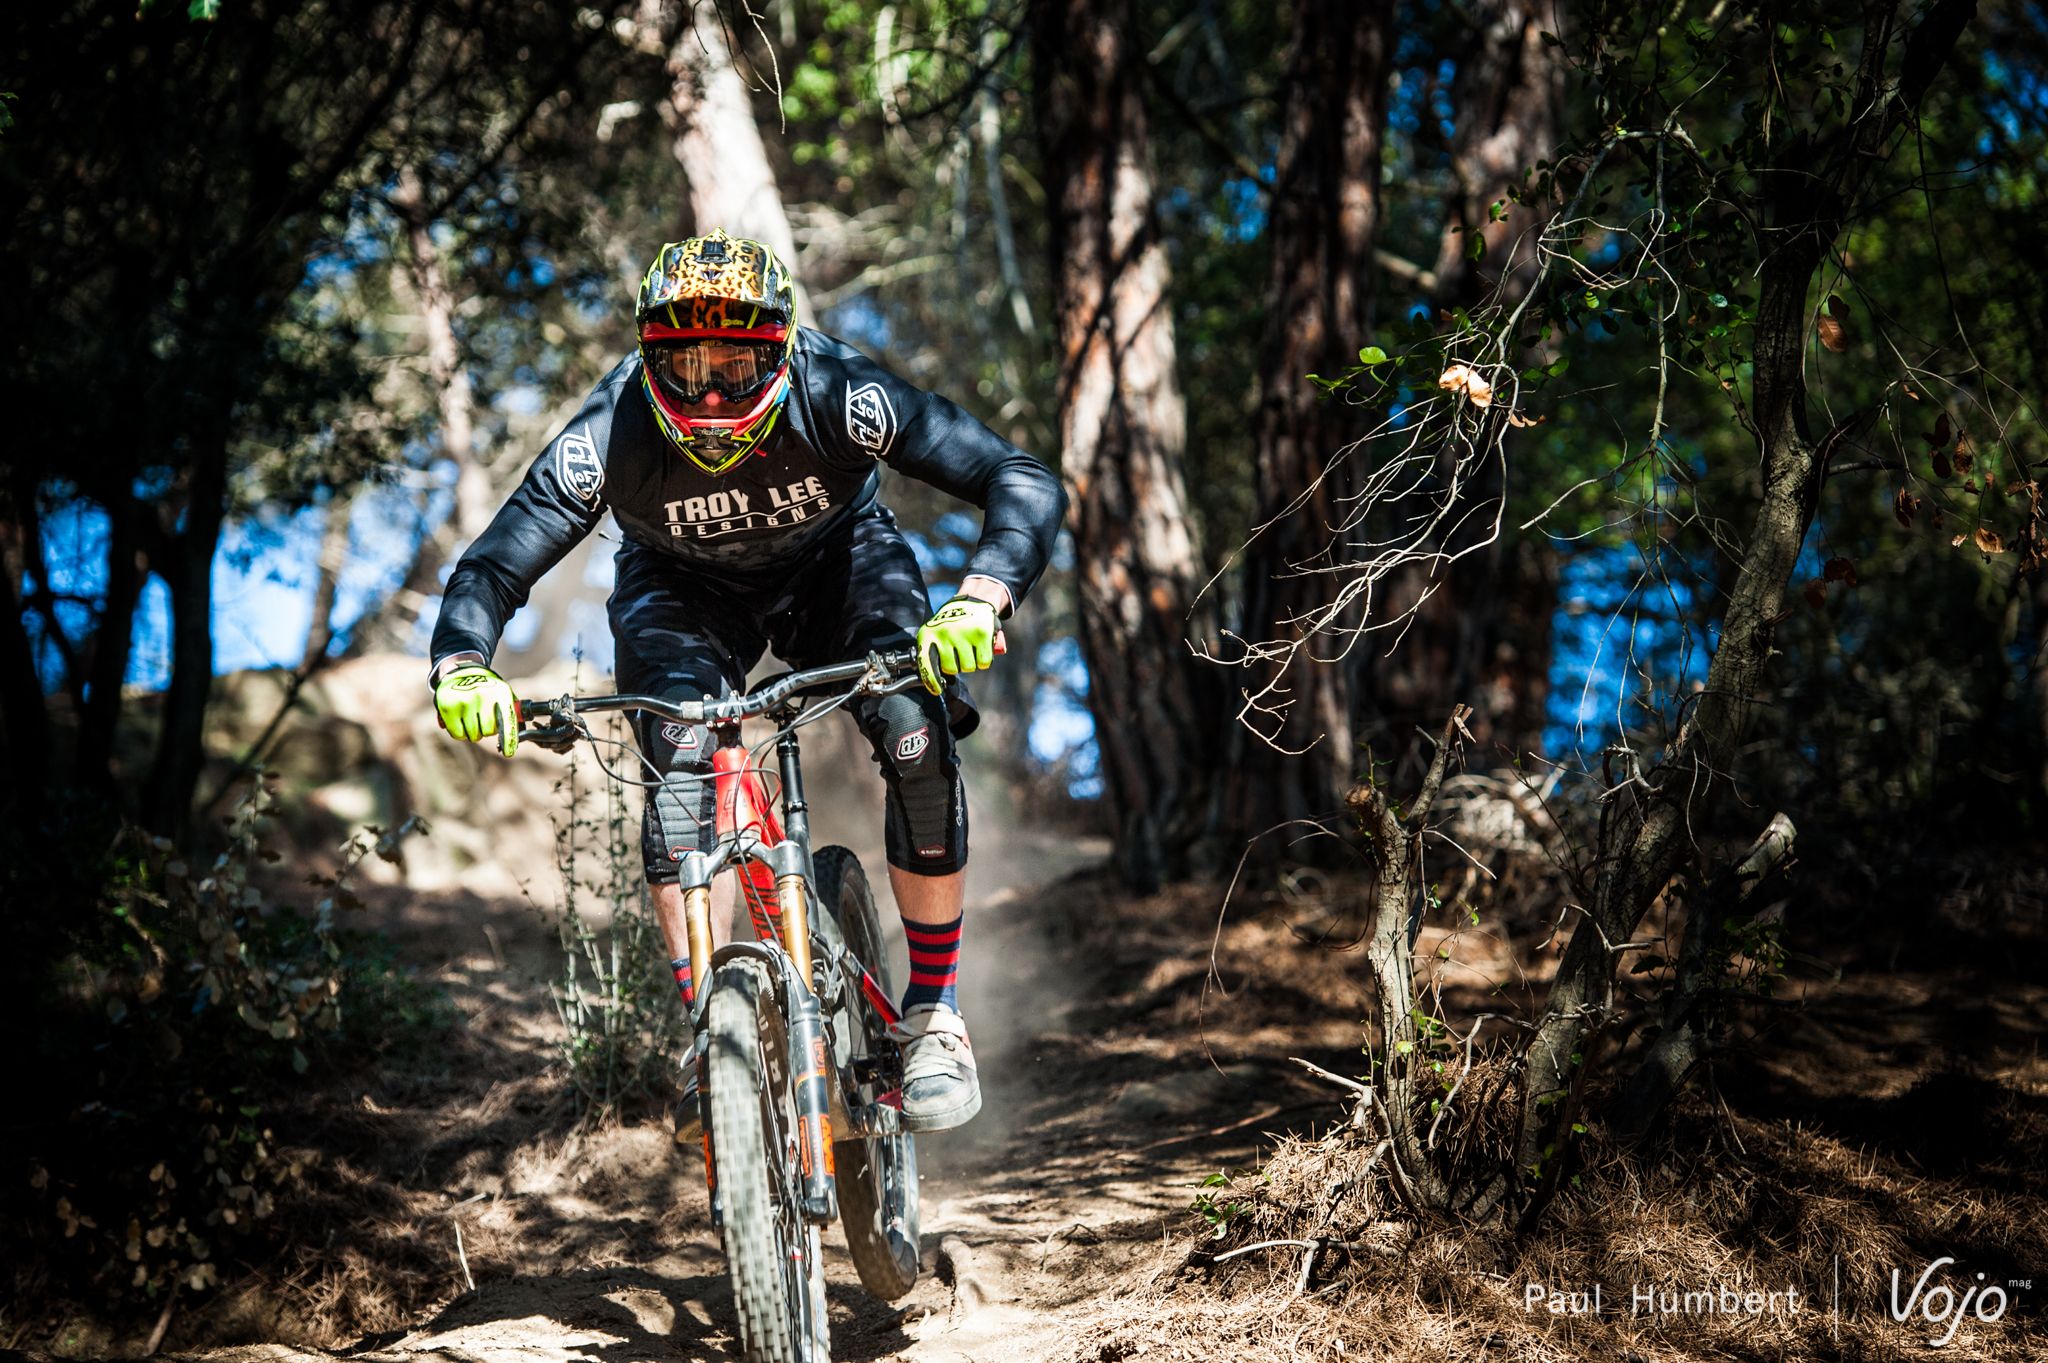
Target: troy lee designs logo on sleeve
728	513
582	472
870	420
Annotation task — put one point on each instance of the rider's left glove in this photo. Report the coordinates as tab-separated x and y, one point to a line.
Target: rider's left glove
475	702
960	637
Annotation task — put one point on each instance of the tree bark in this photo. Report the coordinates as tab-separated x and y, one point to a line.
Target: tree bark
1123	429
1393	837
1325	217
1509	94
112	643
23	716
719	145
333	557
474	501
187	568
1480	630
1686	1037
1805	202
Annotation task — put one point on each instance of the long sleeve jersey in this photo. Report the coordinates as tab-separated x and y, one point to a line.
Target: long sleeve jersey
761	519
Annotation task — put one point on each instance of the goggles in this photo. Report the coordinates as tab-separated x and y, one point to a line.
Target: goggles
690	367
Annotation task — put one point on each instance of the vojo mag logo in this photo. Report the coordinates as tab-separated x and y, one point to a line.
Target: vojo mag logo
1939	1305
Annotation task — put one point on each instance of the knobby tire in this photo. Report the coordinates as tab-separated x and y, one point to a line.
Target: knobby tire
877	1174
778	1272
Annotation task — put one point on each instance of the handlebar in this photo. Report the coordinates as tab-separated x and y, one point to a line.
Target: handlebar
545	721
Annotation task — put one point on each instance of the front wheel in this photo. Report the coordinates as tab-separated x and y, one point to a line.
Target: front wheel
877	1174
778	1271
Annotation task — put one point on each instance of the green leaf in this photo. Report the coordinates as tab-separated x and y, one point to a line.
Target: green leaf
1549	39
1718	300
1372	354
207	10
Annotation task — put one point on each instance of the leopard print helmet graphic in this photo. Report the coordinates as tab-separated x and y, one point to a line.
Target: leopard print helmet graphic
717	323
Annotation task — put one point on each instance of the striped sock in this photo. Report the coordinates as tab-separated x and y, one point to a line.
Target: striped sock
682	969
934	962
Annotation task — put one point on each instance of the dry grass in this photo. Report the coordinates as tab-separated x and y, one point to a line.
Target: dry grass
1881	1117
1692	1211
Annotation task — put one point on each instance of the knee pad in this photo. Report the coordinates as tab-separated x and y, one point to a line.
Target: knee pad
926	824
680	814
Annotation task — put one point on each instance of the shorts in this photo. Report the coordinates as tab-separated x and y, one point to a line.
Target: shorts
682	635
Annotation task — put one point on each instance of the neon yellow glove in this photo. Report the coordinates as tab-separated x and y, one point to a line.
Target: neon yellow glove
475	702
961	637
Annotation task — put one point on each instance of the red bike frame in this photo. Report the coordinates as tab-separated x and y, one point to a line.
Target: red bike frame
743	803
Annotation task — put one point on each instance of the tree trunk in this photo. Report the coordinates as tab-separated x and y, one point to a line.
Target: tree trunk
719	145
476	498
1509	94
1123	428
1393	838
1803	211
188	570
23	717
1325	217
474	501
1687	1034
1480	632
113	641
333	557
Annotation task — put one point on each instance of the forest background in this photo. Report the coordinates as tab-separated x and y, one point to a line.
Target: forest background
1403	357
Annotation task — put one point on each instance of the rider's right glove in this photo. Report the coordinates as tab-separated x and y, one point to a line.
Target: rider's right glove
475	702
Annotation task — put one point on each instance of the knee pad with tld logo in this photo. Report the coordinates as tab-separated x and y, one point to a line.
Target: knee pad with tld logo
681	813
925	826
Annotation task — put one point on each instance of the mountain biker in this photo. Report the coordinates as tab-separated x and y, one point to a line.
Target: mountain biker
738	453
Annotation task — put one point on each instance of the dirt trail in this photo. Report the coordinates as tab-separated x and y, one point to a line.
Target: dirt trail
598	1245
1066	1187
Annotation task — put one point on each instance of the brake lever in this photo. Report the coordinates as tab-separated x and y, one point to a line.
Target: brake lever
561	732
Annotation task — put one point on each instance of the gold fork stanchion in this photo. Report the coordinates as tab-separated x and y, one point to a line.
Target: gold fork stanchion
796	924
697	928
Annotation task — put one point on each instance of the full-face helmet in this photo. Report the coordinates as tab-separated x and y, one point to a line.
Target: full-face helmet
717	323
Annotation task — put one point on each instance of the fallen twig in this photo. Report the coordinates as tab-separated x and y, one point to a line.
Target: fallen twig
1263	1244
163	1320
1273	1111
467	1281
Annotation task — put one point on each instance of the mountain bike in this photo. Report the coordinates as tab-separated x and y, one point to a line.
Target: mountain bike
799	1080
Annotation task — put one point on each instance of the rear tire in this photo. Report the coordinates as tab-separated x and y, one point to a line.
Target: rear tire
778	1274
877	1174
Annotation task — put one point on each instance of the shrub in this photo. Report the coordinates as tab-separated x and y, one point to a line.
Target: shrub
184	1008
624	1025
